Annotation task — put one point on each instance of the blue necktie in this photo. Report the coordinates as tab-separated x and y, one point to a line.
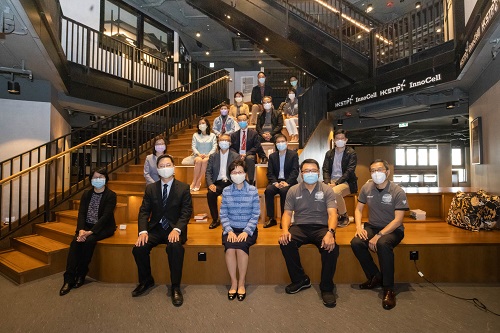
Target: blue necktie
163	221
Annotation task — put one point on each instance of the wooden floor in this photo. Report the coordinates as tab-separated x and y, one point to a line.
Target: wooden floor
447	254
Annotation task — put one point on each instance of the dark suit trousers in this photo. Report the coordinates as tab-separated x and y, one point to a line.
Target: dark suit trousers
250	162
79	256
269	194
310	234
175	252
212	198
385	253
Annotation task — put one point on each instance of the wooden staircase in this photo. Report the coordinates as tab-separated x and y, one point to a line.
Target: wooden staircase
45	252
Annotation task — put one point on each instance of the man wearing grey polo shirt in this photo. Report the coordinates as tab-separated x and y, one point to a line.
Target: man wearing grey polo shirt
315	222
384	231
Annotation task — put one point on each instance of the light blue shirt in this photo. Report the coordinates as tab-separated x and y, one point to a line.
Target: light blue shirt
281	174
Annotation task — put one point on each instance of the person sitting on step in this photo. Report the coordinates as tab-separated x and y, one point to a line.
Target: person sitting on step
203	145
269	122
150	172
224	123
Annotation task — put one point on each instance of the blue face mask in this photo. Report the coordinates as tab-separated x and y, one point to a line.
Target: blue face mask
243	124
98	182
293	83
281	146
310	178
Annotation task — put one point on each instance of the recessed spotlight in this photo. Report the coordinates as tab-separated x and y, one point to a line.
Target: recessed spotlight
418	5
450	105
267	39
369	8
359	36
198	34
207	52
228	16
261	51
260	62
438	30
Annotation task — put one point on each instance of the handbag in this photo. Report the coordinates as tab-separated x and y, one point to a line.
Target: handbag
188	160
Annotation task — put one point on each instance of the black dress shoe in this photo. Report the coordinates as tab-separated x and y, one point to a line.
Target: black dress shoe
329	299
374	282
270	223
79	282
66	288
389	300
214	224
177	298
231	296
142	288
241	297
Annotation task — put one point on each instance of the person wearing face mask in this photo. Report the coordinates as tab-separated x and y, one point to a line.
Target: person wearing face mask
150	173
203	145
163	218
238	107
224	124
246	142
339	170
270	121
239	214
96	221
291	110
294	84
315	221
282	172
217	175
384	230
258	92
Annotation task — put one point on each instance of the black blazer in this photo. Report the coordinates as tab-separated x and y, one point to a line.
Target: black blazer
349	162
213	167
276	121
257	97
106	224
178	211
253	142
291	167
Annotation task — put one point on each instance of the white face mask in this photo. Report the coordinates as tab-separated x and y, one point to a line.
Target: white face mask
238	178
224	144
238	99
340	143
281	146
166	172
267	106
202	127
262	80
378	177
291	96
160	148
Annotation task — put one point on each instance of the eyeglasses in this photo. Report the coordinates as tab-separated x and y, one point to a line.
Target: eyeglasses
310	171
160	166
238	172
378	170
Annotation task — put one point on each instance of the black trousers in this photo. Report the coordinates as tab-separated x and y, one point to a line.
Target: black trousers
269	194
385	253
80	254
310	234
175	252
212	198
250	162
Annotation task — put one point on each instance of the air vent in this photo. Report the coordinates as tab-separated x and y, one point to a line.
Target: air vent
392	108
240	44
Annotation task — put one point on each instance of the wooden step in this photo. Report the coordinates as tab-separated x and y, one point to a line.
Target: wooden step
133	176
134	186
135	168
21	267
61	232
45	249
67	216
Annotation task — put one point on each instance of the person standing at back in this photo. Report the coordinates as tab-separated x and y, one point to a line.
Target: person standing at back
258	93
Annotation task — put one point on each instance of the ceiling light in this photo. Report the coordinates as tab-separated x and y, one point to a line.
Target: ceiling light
450	105
198	34
438	29
369	8
207	52
454	122
418	5
267	39
261	51
260	62
13	87
340	122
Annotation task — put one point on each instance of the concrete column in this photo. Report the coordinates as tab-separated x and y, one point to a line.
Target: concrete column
444	165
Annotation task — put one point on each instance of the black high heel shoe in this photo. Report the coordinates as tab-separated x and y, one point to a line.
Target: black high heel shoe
241	297
231	296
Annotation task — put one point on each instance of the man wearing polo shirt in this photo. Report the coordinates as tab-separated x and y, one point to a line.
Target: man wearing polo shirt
315	222
384	231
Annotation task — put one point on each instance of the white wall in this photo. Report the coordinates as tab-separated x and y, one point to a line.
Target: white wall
468	7
87	12
485	176
238	84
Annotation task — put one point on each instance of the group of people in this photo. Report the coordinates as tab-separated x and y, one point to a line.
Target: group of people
311	211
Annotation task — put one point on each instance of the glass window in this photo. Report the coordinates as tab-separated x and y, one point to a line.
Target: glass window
120	23
414	178
456	156
400	156
422	156
430	178
401	178
433	156
157	41
411	156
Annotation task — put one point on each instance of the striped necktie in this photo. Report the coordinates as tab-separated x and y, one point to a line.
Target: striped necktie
163	221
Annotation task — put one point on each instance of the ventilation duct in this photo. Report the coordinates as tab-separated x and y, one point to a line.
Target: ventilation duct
394	107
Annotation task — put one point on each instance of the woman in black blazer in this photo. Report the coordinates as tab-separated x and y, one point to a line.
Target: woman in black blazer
96	221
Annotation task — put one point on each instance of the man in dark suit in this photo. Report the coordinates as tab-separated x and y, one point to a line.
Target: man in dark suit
269	122
163	217
217	175
246	142
258	92
282	172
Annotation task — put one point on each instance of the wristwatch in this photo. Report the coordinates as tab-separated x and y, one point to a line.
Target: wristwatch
332	231
380	234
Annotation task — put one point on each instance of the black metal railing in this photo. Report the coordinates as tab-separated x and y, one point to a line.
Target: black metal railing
313	107
416	31
35	182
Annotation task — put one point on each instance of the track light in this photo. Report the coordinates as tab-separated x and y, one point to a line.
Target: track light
340	122
13	87
418	5
450	105
454	122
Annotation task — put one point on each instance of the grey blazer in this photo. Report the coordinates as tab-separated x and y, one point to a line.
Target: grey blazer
213	166
150	171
